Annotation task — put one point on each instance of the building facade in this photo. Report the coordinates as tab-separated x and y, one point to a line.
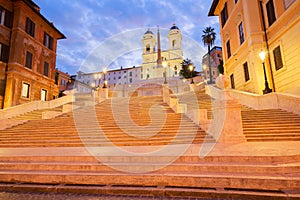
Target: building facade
62	79
215	58
28	43
248	27
114	77
154	57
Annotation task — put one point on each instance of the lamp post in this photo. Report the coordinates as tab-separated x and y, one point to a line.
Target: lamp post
191	68
267	89
104	79
164	64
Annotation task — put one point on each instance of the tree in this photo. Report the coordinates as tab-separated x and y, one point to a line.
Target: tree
185	72
208	38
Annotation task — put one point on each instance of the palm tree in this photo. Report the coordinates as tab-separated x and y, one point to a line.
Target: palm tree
208	39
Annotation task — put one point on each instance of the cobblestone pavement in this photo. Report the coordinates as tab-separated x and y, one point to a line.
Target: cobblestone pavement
53	196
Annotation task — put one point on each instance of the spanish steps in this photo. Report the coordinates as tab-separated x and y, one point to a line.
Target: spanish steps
76	152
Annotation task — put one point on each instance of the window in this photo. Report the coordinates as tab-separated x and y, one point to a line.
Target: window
25	90
6	17
271	12
228	49
2	15
46	69
56	78
232	81
29	58
224	15
44	95
130	80
130	73
148	48
277	58
246	72
30	27
4	52
48	41
174	44
241	33
63	82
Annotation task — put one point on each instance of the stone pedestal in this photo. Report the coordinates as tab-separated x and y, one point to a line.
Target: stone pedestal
102	93
166	93
226	125
192	87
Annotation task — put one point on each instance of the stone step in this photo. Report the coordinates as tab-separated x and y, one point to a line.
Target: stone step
289	181
271	131
68	143
286	126
150	192
158	167
273	139
215	160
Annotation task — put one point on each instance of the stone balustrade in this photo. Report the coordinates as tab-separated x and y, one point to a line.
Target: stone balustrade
34	105
275	100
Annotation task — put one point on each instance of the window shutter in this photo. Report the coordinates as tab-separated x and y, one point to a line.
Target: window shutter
277	58
8	21
5	53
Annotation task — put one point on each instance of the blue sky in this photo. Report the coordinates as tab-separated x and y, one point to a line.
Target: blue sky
108	33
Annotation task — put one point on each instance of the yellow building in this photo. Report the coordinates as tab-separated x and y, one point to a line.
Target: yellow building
152	59
248	27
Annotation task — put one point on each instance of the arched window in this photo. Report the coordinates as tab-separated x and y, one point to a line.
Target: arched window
148	48
174	45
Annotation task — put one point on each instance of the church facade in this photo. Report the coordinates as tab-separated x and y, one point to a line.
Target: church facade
155	61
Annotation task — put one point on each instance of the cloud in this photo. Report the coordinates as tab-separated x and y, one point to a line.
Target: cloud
95	29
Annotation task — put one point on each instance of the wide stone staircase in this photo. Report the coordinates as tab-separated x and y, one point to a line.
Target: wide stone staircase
263	125
270	125
137	146
82	127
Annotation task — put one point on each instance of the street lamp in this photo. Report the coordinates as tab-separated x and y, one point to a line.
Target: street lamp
262	56
164	64
104	79
191	68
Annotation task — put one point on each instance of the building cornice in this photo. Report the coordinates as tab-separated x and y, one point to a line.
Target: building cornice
213	8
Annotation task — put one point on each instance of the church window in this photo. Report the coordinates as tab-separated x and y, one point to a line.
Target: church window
174	45
148	48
